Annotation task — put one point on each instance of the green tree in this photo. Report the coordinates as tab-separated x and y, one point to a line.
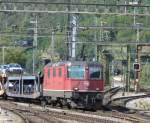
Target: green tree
15	55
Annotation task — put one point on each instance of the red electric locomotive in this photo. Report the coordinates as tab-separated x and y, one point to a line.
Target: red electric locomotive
75	84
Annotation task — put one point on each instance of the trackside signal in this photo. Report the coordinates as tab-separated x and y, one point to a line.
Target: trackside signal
136	66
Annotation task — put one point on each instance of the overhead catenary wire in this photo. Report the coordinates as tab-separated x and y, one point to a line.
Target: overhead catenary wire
83	28
73	12
15	3
74	3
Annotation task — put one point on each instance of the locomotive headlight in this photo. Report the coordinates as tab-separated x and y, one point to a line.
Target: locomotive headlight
97	89
76	89
69	64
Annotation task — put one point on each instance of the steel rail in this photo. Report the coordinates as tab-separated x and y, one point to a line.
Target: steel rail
24	119
68	115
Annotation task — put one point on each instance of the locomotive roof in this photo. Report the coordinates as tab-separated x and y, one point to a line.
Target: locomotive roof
72	63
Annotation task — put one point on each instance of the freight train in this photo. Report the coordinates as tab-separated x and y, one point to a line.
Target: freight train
77	84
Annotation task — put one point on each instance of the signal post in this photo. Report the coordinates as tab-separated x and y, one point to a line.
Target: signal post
136	67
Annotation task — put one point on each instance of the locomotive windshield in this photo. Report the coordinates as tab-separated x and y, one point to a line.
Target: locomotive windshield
95	72
76	72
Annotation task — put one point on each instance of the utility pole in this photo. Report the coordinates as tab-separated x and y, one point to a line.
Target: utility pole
125	9
101	37
137	60
95	39
134	11
52	42
101	30
34	45
138	35
3	52
71	34
73	41
68	31
35	33
134	16
138	32
128	68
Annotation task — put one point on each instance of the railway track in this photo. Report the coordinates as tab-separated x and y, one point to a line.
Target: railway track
8	115
122	101
121	104
37	114
109	93
27	115
34	117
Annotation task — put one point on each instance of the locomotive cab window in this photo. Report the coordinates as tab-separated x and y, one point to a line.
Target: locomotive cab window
76	72
95	72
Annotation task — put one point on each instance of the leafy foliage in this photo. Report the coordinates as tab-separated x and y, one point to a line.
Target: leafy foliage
15	55
18	24
145	75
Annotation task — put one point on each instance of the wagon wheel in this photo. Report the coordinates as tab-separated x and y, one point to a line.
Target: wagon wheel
69	106
54	103
5	96
43	103
60	104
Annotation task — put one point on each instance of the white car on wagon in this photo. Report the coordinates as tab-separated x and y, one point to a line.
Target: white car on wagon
14	68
